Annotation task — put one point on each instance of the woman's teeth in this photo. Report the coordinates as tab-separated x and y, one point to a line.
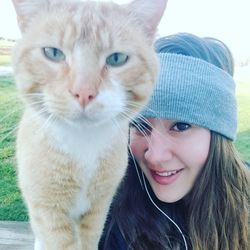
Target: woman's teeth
167	173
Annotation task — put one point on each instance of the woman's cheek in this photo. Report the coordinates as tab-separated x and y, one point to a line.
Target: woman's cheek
138	146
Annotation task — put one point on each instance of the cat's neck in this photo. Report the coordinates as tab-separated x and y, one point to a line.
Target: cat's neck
85	144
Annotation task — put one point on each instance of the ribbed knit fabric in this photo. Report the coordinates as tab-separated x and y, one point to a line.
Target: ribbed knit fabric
192	90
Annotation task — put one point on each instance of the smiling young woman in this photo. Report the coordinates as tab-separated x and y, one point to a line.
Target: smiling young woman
171	156
186	187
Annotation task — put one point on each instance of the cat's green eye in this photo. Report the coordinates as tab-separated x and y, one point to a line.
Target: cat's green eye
116	59
54	54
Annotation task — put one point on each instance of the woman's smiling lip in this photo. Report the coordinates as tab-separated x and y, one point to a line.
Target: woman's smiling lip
165	177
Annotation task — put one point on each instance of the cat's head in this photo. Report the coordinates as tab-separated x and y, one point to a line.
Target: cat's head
86	61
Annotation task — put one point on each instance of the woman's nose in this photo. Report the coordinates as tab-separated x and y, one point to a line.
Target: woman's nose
160	148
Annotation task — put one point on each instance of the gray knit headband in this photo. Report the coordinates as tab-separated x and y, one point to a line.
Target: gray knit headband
192	90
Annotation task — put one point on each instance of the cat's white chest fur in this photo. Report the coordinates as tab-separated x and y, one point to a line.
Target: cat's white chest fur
85	147
80	206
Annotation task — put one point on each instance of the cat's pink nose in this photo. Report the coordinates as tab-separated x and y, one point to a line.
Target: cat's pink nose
84	95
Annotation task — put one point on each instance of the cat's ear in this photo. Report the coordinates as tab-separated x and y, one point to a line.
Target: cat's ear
148	13
27	9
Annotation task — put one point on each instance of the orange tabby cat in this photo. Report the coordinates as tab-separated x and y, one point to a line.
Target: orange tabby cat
84	69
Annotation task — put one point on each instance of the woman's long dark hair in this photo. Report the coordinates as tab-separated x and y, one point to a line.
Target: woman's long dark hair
218	211
215	214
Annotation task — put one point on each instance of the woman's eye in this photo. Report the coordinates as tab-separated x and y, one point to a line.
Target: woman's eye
116	59
181	126
54	54
141	128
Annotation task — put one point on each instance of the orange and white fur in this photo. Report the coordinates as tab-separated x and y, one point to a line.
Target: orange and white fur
84	69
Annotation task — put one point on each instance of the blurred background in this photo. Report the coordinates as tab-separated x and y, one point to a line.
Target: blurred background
227	20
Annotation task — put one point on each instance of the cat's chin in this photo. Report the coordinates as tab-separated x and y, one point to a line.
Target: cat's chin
85	122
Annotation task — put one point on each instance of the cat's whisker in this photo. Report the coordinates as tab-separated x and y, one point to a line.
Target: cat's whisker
138	126
146	121
4	118
33	94
129	149
128	145
17	98
11	104
131	103
17	127
125	137
35	103
136	105
46	124
131	113
141	127
10	100
36	115
9	134
137	116
34	99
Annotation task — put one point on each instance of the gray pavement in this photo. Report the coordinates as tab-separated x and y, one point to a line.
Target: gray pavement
15	236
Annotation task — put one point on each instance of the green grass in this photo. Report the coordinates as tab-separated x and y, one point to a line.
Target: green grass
11	205
243	136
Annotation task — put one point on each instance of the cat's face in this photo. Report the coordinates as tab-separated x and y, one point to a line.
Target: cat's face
85	62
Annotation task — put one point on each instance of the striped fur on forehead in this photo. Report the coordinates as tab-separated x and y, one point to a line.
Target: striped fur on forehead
85	22
102	23
93	21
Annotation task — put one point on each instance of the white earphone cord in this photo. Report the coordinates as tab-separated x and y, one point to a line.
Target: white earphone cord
175	224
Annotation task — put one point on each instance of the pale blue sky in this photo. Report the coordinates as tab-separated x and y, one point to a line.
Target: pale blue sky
228	20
